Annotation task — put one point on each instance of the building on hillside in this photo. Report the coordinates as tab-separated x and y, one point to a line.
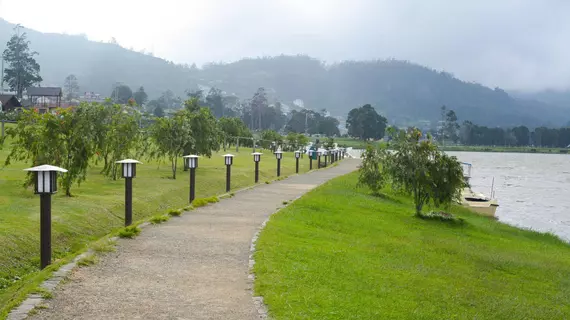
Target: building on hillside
9	102
44	98
90	96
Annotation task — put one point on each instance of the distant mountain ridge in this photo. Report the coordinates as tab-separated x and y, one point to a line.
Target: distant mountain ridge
402	91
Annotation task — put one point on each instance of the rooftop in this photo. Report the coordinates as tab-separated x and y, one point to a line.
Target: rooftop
44	91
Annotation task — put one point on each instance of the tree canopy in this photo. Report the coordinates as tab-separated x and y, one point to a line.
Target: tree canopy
22	70
365	123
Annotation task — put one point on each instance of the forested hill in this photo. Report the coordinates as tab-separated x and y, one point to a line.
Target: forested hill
399	90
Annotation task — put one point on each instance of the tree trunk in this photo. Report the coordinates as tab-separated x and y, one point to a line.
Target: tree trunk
173	164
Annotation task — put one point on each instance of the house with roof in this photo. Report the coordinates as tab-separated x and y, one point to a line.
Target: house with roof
44	98
9	102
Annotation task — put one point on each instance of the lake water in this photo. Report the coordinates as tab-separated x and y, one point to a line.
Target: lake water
532	189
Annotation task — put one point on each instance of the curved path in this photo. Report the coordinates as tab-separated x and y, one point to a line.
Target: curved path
193	267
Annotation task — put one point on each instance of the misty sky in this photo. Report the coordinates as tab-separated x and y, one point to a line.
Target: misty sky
514	44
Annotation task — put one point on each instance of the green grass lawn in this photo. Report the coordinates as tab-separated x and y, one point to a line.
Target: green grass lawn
97	208
341	253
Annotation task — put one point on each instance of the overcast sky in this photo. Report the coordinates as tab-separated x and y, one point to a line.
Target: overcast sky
514	44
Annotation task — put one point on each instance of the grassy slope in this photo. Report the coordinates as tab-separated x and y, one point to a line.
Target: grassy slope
98	208
340	253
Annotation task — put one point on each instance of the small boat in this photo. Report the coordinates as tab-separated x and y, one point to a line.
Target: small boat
476	201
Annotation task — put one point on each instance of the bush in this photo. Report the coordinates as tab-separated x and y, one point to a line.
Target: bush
159	219
129	232
370	173
418	168
175	212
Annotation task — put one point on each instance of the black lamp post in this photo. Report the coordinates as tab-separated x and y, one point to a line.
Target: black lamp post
191	162
278	156
325	153
45	186
129	171
256	159
228	160
311	159
297	156
319	153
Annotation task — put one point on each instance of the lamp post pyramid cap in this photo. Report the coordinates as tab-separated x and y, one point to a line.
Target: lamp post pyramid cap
278	151
128	161
191	156
256	153
228	155
46	167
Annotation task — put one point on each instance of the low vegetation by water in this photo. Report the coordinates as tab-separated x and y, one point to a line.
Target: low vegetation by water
342	253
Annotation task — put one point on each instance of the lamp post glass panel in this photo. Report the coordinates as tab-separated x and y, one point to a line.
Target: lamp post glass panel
311	159
278	156
228	160
256	159
297	156
192	163
45	185
129	171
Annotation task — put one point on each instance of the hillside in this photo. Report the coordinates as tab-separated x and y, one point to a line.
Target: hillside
402	91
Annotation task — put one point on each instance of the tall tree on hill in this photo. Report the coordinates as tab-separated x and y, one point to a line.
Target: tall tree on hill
365	123
168	100
140	96
258	104
121	93
451	127
22	69
522	135
214	101
71	87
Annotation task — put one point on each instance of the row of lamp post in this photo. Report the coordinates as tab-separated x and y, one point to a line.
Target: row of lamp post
46	184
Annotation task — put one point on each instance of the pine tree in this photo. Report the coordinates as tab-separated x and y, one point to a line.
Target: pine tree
22	69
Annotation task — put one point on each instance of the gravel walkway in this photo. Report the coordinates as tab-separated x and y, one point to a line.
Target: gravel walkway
193	267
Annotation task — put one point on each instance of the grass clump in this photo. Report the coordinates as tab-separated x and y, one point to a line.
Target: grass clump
105	245
159	219
342	253
204	201
267	182
87	260
441	216
175	212
44	293
285	202
129	232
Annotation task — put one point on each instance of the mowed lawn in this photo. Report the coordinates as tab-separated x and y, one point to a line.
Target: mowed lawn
97	207
340	253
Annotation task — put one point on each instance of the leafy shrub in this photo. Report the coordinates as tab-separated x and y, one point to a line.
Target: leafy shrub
129	232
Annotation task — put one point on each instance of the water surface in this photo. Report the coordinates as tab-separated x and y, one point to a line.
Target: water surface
532	189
